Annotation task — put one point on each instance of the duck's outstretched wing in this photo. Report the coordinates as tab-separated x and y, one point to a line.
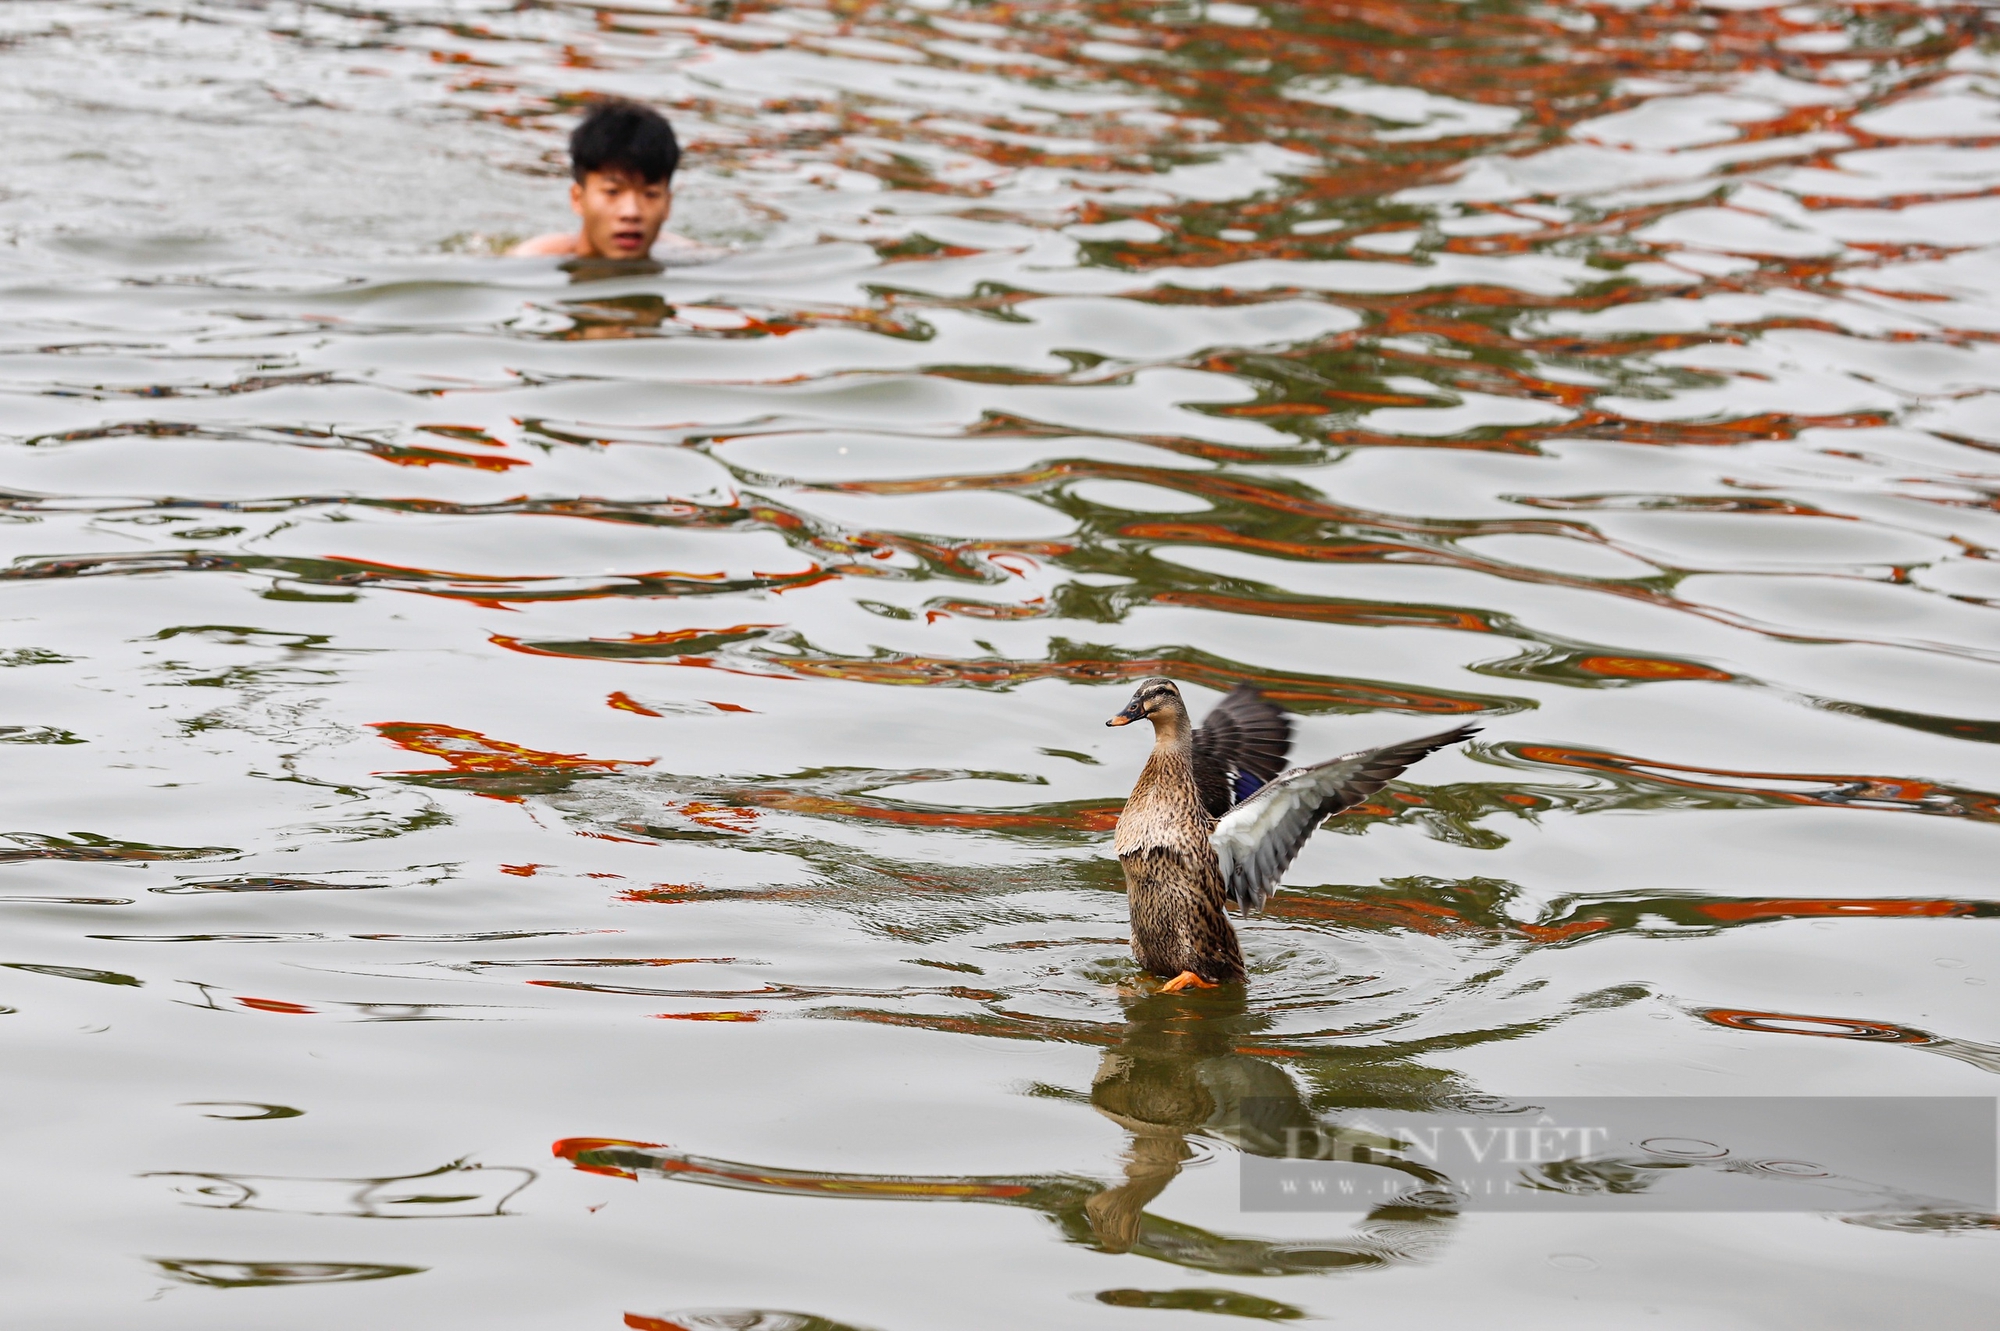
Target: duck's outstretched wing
1256	841
1239	747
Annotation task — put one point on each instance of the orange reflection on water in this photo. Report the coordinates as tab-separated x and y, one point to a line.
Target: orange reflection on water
1424	917
403	456
1034	608
1601	425
1623	915
470	751
721	817
671	639
1339	549
662	893
1867	908
1837	1028
278	1005
1837	791
1364	614
1648	667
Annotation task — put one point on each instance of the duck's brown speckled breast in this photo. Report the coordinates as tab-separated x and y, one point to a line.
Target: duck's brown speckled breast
1172	881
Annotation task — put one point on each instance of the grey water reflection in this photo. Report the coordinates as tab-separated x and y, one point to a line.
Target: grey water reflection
456	1190
468	703
245	1275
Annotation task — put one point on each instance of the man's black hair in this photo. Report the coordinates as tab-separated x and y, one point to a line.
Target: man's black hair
624	136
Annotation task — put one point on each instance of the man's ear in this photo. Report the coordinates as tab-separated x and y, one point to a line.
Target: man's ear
576	198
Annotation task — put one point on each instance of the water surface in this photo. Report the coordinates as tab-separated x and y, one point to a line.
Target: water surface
606	772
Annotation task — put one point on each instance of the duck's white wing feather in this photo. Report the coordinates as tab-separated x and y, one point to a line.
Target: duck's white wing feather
1256	841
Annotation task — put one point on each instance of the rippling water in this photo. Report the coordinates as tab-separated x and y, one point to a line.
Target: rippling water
464	705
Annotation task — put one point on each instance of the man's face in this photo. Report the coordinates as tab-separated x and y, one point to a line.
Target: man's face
621	213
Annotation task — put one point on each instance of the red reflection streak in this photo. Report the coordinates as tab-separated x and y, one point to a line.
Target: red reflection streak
678	894
1297	408
1805	908
479	589
1561	933
277	1005
1527	439
663	893
721	817
1421	917
1375	913
624	702
1647	667
570	1148
513	644
667	1161
1436	920
433	457
752	1015
1842	791
681	512
635	1320
470	751
1835	1028
1330	612
1033	609
495	592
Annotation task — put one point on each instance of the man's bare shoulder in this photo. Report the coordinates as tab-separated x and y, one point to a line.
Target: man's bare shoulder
556	242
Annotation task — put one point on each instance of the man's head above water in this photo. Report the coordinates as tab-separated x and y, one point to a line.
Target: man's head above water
623	157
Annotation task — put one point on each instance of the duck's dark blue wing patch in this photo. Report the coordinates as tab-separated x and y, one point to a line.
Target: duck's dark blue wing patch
1239	747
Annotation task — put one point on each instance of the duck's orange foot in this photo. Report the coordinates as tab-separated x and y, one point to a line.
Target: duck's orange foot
1186	980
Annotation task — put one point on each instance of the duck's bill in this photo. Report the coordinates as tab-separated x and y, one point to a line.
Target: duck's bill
1128	716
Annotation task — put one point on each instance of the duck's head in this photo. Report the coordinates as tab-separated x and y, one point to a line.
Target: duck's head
1154	700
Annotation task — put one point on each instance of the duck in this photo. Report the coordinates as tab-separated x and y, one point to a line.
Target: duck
1216	818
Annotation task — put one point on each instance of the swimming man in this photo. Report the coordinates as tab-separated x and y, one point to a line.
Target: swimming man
622	157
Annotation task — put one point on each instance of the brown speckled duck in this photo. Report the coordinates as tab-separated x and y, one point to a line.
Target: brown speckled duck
1214	819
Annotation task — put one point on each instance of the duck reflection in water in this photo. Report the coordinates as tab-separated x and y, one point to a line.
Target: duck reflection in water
1178	1074
1176	1070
